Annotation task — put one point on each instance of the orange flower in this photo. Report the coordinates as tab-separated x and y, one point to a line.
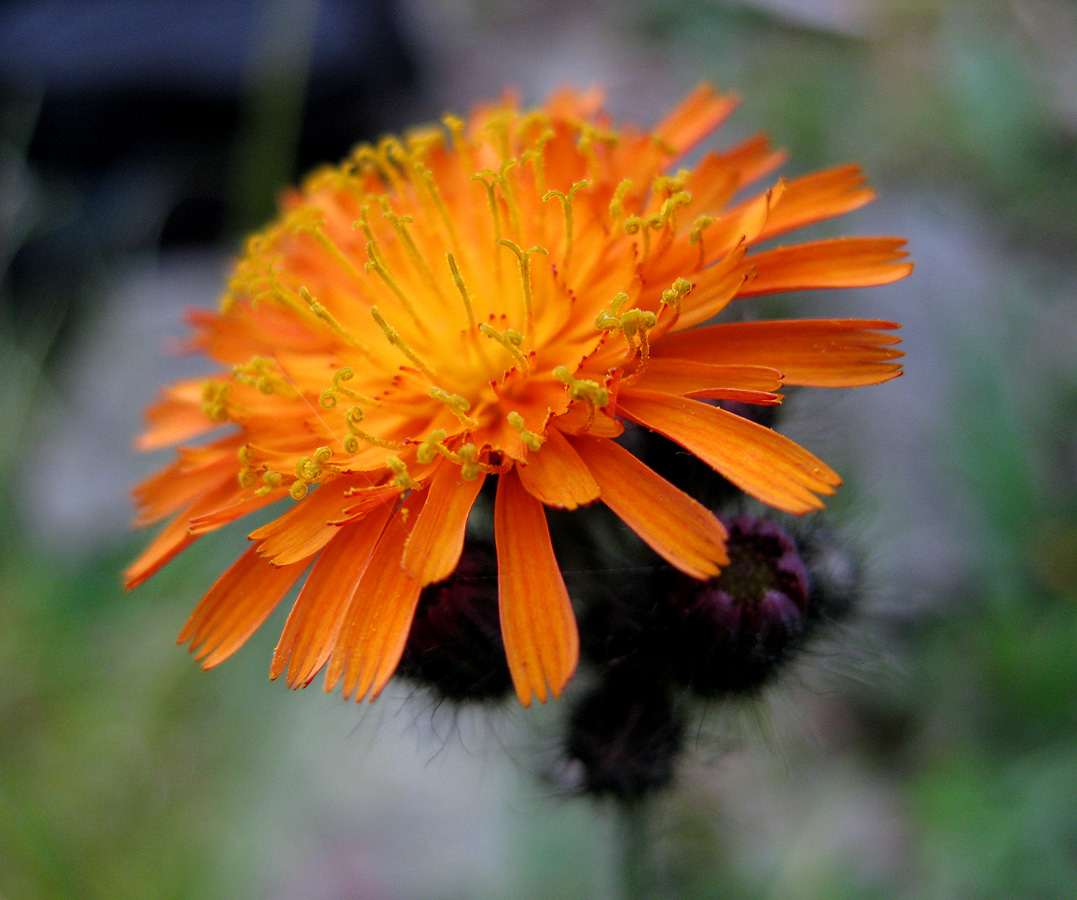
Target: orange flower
496	298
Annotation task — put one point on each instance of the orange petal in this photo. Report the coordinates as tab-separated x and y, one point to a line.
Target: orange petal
700	113
376	623
176	416
813	198
557	476
305	528
240	601
836	263
712	290
434	546
678	528
756	459
688	376
576	420
817	352
537	622
176	535
184	481
314	622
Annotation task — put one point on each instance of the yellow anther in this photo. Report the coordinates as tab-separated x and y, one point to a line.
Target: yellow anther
511	341
695	233
582	388
400	478
215	400
394	338
524	257
352	418
531	440
457	405
671	184
676	294
469	464
610	319
431	446
298	490
328	397
617	204
270	482
248	478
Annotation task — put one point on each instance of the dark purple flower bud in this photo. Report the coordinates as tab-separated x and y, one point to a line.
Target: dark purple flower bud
732	633
624	736
455	647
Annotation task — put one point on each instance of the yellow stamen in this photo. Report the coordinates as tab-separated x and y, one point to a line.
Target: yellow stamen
322	313
400	478
458	405
630	324
675	295
617	204
462	288
394	338
531	440
695	234
270	482
377	265
524	256
511	341
456	129
352	418
582	388
566	211
328	397
215	400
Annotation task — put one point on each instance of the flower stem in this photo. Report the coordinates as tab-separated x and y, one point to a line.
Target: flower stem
635	850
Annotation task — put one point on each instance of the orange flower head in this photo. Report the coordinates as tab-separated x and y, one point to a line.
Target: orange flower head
496	298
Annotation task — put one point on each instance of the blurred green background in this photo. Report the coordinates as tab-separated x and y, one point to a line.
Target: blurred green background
927	750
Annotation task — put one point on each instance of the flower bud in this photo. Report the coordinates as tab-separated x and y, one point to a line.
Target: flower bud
454	647
732	634
623	736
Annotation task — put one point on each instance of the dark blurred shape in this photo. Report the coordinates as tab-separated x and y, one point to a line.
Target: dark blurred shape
455	648
624	736
731	634
155	124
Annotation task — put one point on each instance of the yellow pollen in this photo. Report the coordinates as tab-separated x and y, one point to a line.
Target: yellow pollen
642	226
270	482
431	446
394	338
400	478
582	388
676	294
215	400
630	324
259	374
695	234
531	440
